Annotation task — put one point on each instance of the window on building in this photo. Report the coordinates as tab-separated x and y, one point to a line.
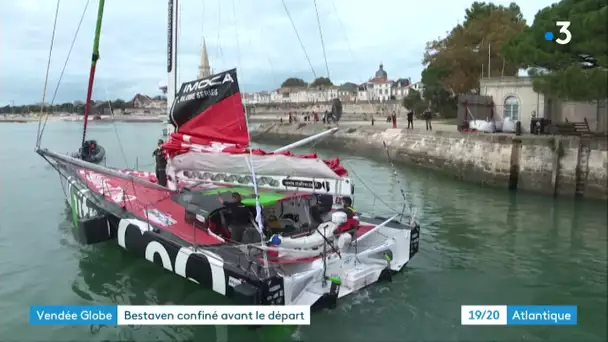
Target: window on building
511	108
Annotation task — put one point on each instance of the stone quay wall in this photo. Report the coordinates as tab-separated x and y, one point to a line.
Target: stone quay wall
359	111
553	165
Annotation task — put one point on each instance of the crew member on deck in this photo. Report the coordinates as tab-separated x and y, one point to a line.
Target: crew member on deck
352	222
239	217
161	163
348	207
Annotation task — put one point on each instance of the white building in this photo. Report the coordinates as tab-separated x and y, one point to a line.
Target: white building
381	88
515	98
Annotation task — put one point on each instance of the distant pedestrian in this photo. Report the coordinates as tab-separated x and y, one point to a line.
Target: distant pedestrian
372	120
428	115
316	115
394	118
410	120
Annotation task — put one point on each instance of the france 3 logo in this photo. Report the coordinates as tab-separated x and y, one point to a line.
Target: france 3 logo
563	31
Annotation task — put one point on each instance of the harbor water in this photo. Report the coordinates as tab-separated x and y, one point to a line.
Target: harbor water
478	246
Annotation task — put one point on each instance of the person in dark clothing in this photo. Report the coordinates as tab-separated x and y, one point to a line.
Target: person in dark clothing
427	119
239	217
394	119
161	163
410	120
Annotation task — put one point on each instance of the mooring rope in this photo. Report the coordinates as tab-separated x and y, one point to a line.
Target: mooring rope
46	76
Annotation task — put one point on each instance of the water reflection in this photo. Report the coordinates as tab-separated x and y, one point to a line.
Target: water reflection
111	275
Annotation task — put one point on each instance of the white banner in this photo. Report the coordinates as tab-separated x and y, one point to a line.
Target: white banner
213	315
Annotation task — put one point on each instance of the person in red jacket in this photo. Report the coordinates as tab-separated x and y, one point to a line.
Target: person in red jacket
352	221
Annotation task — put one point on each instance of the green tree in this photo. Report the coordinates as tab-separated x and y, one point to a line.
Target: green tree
294	82
414	102
463	53
435	93
321	82
573	71
119	104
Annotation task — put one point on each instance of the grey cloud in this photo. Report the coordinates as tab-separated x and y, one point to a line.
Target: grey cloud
133	42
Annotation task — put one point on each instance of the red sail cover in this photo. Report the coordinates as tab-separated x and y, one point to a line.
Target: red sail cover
211	108
210	117
180	143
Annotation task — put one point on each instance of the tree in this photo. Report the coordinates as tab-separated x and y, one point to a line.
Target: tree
573	71
321	82
118	104
440	99
414	102
294	82
463	54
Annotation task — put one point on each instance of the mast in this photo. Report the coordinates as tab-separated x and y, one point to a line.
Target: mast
171	56
87	107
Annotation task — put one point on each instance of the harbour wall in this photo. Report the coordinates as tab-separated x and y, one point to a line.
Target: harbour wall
553	165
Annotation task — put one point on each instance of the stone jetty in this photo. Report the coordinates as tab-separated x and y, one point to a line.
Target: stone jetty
554	165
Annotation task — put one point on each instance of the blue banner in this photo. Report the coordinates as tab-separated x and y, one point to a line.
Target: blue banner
542	315
73	314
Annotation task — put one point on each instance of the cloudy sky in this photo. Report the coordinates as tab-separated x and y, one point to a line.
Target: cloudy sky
255	36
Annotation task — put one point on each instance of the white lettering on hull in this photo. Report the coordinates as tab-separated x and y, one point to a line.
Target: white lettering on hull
216	263
80	201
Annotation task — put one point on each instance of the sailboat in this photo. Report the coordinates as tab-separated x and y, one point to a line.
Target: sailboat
298	250
90	150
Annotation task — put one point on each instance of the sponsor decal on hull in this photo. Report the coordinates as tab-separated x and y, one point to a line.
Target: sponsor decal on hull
159	217
307	184
200	266
82	208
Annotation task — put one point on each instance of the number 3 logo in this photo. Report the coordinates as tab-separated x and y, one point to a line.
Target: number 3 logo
563	25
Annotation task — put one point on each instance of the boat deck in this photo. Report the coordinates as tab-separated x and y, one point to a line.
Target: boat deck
157	207
148	204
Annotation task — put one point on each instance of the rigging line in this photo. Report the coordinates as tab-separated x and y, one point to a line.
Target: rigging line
321	35
299	39
343	29
373	193
220	52
236	32
46	117
122	151
258	207
46	77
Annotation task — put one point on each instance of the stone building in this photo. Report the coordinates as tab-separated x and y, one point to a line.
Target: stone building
514	97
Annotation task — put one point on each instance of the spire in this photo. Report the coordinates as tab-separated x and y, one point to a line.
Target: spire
204	69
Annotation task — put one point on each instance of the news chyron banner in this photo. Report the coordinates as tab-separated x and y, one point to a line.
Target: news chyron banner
518	315
169	315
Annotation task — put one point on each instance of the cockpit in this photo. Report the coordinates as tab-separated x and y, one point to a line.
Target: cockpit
287	214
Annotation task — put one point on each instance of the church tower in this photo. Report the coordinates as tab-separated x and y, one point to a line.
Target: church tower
204	69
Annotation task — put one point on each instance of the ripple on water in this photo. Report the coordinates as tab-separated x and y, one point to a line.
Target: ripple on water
478	246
